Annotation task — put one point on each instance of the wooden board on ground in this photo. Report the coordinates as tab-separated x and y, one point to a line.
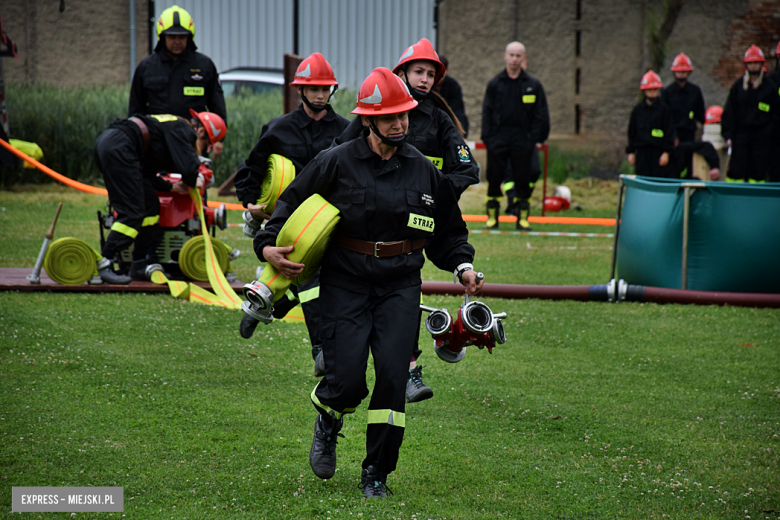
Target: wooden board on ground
14	279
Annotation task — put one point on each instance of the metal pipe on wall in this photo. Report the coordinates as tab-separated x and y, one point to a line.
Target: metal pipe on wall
133	56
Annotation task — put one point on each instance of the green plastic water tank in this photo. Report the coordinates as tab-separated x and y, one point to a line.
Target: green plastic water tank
733	235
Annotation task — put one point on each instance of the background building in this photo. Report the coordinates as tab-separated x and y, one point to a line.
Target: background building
589	54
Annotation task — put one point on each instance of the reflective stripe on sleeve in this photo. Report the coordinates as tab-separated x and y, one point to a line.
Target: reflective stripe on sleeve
309	294
150	221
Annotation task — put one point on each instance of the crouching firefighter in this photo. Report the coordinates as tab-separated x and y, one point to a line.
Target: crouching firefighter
392	203
129	154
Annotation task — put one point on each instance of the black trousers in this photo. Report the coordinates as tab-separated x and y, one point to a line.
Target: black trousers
502	151
686	136
308	296
752	156
647	163
131	194
354	324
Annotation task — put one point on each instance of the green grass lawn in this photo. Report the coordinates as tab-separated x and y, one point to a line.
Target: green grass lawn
590	410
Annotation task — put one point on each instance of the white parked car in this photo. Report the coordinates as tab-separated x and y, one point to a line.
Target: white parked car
258	80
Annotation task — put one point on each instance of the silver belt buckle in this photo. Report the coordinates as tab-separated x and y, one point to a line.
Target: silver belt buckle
376	248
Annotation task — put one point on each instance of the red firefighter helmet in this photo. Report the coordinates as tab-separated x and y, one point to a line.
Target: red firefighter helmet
681	63
777	50
650	81
381	93
713	115
314	70
422	50
753	54
214	125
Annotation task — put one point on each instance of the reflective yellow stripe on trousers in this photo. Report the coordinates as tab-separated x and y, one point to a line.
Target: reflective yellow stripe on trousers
124	229
387	416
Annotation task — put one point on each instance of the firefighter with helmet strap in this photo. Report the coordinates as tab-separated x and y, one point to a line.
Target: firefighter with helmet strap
393	202
651	131
687	103
298	136
175	77
129	154
437	133
751	109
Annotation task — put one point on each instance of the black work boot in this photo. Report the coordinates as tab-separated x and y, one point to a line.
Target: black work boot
373	483
138	270
107	274
493	209
322	456
248	326
319	361
416	390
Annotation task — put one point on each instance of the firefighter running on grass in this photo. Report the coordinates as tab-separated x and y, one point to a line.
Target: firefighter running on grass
436	132
299	136
129	155
392	201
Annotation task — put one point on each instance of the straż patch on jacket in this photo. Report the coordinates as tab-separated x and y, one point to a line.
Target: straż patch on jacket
420	222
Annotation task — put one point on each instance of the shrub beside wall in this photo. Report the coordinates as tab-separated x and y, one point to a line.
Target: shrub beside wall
66	122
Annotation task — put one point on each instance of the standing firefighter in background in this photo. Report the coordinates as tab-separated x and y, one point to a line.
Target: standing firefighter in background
515	119
651	131
435	131
175	77
298	136
687	104
774	77
392	200
129	154
752	107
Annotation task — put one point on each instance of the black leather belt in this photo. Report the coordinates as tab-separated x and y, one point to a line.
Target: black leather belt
144	132
380	249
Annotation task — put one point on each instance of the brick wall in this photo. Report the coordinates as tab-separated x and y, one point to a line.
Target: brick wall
759	26
613	53
86	44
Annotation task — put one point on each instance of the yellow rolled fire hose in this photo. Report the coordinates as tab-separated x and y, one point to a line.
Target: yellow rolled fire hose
309	229
71	261
224	295
192	258
280	172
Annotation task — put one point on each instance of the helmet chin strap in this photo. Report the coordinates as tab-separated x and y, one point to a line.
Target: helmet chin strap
318	108
395	142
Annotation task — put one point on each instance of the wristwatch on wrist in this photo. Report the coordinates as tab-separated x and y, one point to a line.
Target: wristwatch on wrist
457	275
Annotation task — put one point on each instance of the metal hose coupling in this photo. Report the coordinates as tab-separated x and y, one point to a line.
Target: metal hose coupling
151	268
259	301
251	224
476	324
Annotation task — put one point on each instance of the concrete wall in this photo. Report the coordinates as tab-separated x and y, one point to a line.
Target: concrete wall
86	44
613	54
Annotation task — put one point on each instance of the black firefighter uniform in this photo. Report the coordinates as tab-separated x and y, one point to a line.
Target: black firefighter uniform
364	298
